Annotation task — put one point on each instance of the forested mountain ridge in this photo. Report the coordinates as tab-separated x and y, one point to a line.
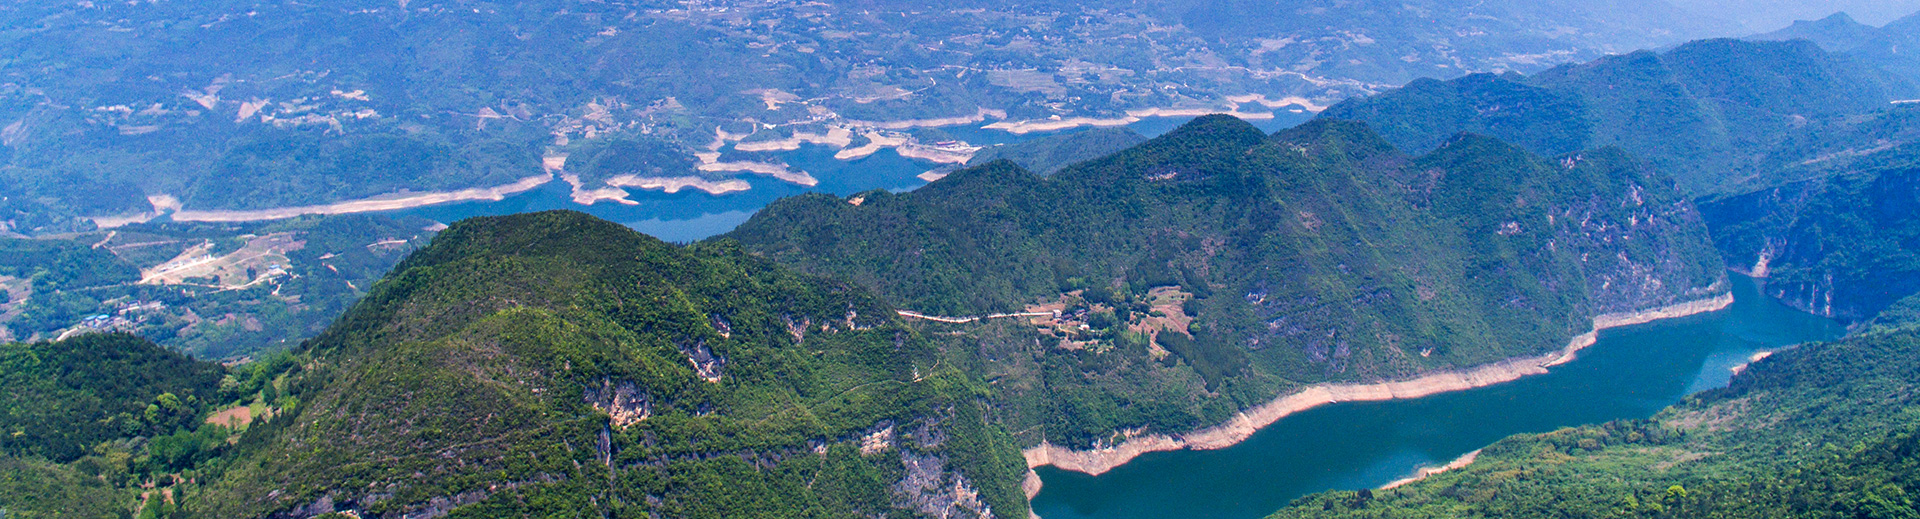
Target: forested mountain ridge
1049	154
1719	115
554	363
1824	430
1318	253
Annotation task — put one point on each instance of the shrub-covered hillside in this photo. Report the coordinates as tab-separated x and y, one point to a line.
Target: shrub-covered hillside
105	425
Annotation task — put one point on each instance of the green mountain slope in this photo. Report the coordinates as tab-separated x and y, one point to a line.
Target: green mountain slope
1820	431
1319	253
63	397
557	364
1888	47
86	421
1715	114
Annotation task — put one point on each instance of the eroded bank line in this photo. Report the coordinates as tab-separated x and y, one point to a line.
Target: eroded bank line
1426	472
366	205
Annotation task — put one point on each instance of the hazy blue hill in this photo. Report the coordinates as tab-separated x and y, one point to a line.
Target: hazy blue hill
554	363
1489	104
1893	48
1880	46
1711	113
1821	430
1318	253
1836	33
1787	79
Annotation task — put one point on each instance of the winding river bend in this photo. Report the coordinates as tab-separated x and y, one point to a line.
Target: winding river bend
1631	372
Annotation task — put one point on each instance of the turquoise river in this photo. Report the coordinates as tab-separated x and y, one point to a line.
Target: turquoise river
1631	372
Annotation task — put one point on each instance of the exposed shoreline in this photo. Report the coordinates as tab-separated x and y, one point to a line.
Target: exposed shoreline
365	205
1243	424
1424	473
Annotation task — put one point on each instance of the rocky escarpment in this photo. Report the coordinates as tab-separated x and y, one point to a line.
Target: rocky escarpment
1844	247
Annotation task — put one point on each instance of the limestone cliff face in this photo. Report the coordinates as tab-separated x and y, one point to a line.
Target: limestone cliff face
1842	247
1640	245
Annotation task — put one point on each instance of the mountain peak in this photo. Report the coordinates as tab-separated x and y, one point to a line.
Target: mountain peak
1221	127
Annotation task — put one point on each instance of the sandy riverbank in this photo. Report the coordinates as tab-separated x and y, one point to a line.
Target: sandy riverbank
1245	423
1457	463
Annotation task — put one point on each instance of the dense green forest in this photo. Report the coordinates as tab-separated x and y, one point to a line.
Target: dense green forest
554	363
1825	430
1718	115
1318	253
113	425
64	397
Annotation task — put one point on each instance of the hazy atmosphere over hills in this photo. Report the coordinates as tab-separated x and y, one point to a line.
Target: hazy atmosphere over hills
959	259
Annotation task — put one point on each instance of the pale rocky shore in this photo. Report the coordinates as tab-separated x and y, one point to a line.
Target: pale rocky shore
391	202
1245	423
1424	473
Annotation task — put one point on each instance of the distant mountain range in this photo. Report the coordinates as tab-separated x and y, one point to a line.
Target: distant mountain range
1718	115
242	105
